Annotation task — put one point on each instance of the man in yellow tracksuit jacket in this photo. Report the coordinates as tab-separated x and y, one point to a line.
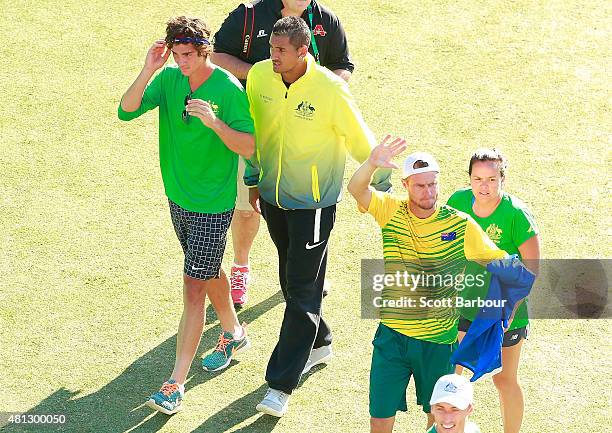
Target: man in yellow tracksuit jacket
305	122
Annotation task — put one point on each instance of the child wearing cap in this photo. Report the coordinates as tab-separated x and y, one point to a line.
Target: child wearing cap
452	401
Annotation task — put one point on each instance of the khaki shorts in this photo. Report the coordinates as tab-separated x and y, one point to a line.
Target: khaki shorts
242	196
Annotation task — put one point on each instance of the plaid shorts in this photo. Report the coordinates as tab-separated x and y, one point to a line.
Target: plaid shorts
203	237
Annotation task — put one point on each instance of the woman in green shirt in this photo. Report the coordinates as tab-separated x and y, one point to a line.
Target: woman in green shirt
509	224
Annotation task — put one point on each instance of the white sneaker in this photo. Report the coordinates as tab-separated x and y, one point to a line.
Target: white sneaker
275	403
318	356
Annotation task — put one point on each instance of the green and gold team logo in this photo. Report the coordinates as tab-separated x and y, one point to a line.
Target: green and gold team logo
215	107
494	233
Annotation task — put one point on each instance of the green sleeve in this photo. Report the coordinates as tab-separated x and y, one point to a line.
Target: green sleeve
150	99
238	115
239	119
453	200
457	200
524	226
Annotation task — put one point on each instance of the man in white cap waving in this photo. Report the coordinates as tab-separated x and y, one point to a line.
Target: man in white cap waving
418	323
452	401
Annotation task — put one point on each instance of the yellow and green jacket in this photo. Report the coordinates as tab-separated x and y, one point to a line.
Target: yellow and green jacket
302	136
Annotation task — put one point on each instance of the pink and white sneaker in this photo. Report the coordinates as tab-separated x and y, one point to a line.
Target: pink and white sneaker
239	281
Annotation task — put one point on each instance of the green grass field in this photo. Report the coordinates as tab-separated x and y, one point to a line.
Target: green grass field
90	293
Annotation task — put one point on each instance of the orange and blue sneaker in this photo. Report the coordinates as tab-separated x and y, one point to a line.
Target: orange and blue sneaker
226	348
169	399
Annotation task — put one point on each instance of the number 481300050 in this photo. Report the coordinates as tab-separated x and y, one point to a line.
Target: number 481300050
32	418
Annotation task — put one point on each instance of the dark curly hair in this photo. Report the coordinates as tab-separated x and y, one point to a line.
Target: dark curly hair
492	155
189	27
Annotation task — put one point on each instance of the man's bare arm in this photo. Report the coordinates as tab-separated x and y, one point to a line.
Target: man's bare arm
343	73
156	57
381	156
237	67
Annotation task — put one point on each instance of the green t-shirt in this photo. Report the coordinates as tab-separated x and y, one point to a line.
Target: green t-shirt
470	427
508	226
198	170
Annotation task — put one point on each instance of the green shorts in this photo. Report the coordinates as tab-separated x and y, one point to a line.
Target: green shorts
395	359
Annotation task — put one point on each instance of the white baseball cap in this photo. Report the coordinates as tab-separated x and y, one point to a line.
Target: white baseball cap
453	389
423	161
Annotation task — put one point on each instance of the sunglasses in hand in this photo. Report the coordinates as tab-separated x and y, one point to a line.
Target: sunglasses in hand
185	114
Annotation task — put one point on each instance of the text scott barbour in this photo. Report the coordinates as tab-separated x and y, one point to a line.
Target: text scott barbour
425	302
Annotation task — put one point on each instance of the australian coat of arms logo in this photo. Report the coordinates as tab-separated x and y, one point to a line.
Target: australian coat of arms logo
305	110
494	233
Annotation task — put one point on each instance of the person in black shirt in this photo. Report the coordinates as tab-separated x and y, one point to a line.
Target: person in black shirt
243	40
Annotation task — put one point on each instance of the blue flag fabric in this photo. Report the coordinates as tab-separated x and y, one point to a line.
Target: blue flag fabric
480	349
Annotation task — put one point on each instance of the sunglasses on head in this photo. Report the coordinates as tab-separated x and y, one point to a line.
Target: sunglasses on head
190	40
185	114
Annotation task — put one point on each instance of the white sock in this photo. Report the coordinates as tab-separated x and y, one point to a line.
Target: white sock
239	335
236	265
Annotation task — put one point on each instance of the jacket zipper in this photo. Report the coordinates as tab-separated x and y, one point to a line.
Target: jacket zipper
316	194
280	151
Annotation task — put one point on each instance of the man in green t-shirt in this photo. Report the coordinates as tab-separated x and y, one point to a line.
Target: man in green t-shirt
510	225
204	124
452	401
